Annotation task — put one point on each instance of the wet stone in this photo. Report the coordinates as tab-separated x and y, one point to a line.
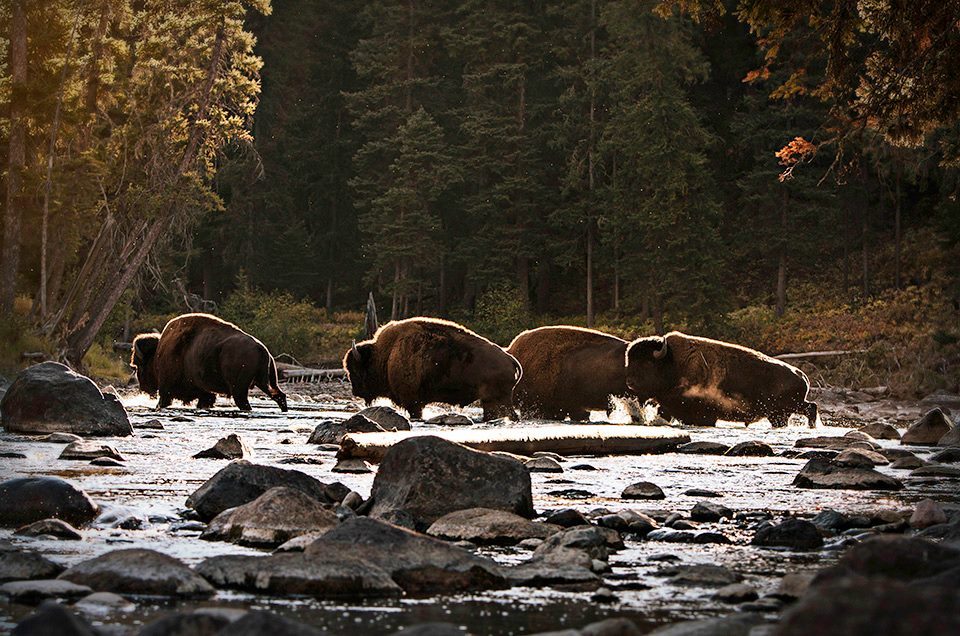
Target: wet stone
102	603
819	473
929	429
16	565
736	593
707	511
566	518
450	419
860	458
907	463
879	430
834	443
937	470
572	493
703	448
586	467
701	492
84	450
486	526
708	575
797	534
927	513
61	438
138	571
333	432
643	490
751	448
108	462
12	455
50	527
53	618
387	417
32	592
229	447
27	499
543	465
947	456
354	466
152	425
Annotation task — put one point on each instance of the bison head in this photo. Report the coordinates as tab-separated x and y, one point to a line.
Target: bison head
649	367
358	363
144	352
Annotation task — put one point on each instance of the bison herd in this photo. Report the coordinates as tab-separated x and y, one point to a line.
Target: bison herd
551	372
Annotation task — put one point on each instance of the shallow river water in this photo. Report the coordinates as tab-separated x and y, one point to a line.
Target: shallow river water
159	474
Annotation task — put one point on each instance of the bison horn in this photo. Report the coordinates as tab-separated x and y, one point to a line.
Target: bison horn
354	351
662	351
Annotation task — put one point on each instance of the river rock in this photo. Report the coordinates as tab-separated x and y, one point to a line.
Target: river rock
936	470
150	425
798	534
49	397
27	499
332	431
271	519
428	477
17	565
835	443
579	546
750	448
952	438
704	448
87	450
543	465
32	592
860	458
138	571
736	593
229	447
450	419
240	482
701	492
856	606
879	430
102	603
642	490
50	527
52	618
417	563
701	574
947	456
386	417
190	623
821	473
928	430
895	557
567	518
794	585
737	625
335	574
927	513
259	623
352	466
60	438
907	463
709	511
485	526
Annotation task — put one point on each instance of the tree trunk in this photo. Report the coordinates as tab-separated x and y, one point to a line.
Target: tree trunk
523	279
442	288
543	287
657	307
782	259
896	226
17	63
590	167
395	302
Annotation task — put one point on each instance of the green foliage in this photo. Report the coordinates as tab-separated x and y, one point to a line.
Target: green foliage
501	314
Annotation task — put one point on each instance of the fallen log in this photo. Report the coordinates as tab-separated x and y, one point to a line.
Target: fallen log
569	439
292	373
818	354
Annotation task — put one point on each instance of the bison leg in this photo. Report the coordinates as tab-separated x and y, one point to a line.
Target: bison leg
165	400
206	401
811	411
779	420
241	399
579	416
496	410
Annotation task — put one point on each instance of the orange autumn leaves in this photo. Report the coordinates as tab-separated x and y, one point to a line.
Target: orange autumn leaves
793	154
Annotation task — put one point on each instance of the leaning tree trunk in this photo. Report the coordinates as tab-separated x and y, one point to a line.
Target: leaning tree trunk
17	62
97	305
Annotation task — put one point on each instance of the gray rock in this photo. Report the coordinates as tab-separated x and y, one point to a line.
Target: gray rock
820	473
61	438
947	456
138	571
794	585
273	518
386	417
87	450
53	619
927	513
936	470
49	397
335	574
729	626
16	565
907	463
486	526
229	447
578	546
258	623
879	430
194	623
951	438
150	425
835	443
352	466
798	534
642	490
541	573
241	481
567	518
708	511
27	499
736	593
32	592
106	461
50	527
543	465
860	458
332	431
751	448
928	430
428	477
417	563
701	492
701	574
102	603
704	448
450	419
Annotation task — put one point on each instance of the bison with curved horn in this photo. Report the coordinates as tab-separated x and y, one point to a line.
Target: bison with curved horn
568	371
699	381
417	361
199	356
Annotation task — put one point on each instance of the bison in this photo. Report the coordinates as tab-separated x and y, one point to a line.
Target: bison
417	361
568	371
198	356
698	381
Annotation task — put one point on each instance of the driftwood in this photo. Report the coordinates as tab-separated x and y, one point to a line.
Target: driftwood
817	354
568	439
294	373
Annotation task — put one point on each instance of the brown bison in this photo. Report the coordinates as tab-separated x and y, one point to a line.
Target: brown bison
568	371
197	357
698	381
417	361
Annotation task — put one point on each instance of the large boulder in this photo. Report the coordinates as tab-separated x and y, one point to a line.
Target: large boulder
387	417
824	473
240	482
427	477
880	430
928	430
271	519
138	571
332	431
894	557
27	499
485	526
49	397
16	565
333	575
417	563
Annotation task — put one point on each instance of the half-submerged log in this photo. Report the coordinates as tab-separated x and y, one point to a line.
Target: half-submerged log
569	439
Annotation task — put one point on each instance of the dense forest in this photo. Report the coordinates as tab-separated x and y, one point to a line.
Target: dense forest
741	170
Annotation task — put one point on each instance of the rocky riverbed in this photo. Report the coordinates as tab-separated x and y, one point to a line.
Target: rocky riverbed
706	540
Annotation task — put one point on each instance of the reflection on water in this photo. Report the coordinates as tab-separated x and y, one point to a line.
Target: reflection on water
159	474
